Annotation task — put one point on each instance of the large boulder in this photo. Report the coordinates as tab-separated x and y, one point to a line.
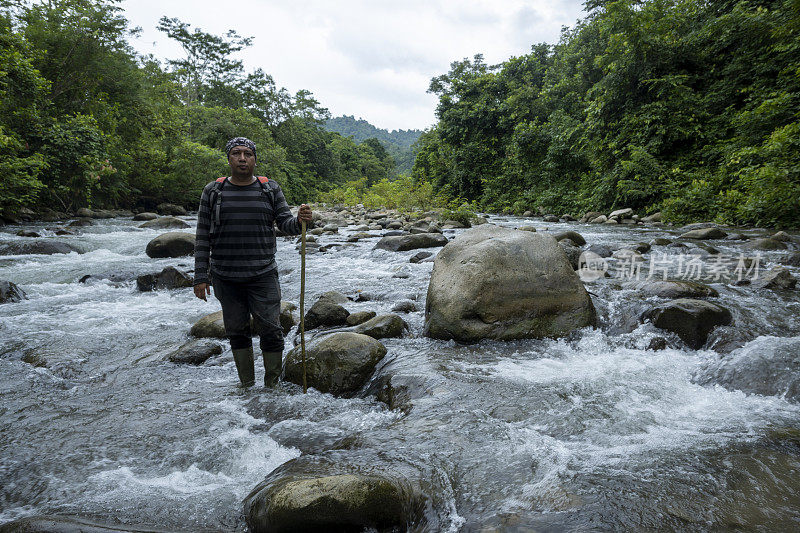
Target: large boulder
325	312
574	236
673	289
210	326
172	244
169	278
776	278
146	215
498	283
766	365
195	352
165	223
382	327
41	247
401	243
9	292
339	364
287	318
767	244
309	494
704	233
691	319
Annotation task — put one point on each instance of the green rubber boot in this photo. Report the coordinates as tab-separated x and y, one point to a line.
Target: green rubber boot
272	367
243	357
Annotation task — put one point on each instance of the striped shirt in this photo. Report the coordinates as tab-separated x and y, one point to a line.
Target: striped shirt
243	244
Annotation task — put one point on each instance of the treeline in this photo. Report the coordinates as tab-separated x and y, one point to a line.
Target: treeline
686	106
87	122
399	144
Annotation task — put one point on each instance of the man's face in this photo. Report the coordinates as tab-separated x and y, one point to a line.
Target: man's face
242	161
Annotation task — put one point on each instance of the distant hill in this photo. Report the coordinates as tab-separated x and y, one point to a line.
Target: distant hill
397	142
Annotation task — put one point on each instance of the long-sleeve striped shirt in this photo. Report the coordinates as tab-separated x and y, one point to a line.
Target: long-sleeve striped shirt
243	244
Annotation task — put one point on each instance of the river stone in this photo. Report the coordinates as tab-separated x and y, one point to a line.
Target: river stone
299	497
600	249
550	218
335	297
145	216
775	278
602	219
42	247
781	236
195	352
169	278
81	222
420	256
171	209
172	244
404	306
590	215
704	233
325	312
10	292
660	241
621	213
339	363
63	524
573	253
527	228
655	217
382	327
574	236
766	244
84	212
402	243
691	319
287	318
673	289
27	233
165	223
792	260
766	365
498	283
360	317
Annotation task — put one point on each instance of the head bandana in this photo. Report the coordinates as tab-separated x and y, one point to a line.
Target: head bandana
240	141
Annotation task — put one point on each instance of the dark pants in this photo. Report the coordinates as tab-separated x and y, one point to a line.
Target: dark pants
259	296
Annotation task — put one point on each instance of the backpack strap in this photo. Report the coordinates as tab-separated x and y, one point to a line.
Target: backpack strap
266	188
215	203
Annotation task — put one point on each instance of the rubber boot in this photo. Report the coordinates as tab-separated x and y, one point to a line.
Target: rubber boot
272	367
243	357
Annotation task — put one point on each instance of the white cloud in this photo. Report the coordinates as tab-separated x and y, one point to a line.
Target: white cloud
369	58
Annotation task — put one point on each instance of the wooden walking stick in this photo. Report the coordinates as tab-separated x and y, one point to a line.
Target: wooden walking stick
302	301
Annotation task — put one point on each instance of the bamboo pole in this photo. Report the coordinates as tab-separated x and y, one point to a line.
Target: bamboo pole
302	301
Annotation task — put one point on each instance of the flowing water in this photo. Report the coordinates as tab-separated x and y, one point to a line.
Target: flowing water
590	432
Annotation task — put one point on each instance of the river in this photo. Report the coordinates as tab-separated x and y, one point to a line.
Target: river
590	432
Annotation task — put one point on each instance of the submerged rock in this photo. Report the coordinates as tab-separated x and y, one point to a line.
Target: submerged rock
339	363
402	243
498	283
673	289
9	292
195	352
43	247
63	524
172	244
169	278
691	319
776	278
382	327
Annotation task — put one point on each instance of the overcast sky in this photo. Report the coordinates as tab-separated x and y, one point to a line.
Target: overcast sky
369	58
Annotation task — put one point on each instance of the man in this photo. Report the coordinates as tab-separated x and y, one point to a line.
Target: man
235	231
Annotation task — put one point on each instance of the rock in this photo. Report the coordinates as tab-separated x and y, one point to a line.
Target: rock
673	289
574	236
115	276
566	217
641	247
782	236
590	215
172	244
625	254
145	216
573	253
550	218
63	524
792	260
611	221
767	365
27	233
338	364
287	316
102	213
81	222
657	343
360	317
404	306
660	241
766	244
165	223
325	312
527	228
394	224
600	249
527	214
171	209
419	256
210	326
454	224
698	225
335	297
169	278
621	213
84	212
704	233
333	228
403	243
776	278
655	217
382	327
195	352
498	283
602	219
306	495
691	319
10	292
42	247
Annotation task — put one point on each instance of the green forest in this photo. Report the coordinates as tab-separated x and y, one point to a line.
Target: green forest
400	144
87	122
685	106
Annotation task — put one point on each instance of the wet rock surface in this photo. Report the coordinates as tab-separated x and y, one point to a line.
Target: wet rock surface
10	293
172	244
195	352
401	243
691	319
41	247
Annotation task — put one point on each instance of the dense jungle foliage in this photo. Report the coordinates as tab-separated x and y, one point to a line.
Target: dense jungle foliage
86	122
399	144
690	107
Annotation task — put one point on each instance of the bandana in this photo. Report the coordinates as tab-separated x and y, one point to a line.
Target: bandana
240	141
